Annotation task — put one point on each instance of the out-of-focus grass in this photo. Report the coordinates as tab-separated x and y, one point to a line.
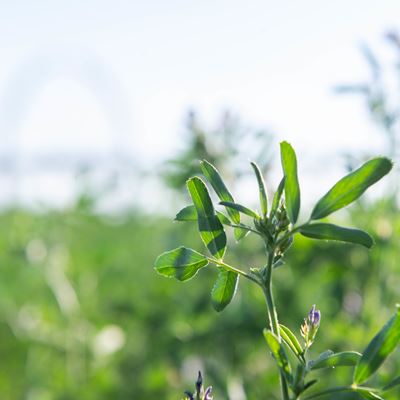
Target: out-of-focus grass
84	315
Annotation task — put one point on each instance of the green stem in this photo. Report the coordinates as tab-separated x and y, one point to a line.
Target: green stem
233	269
245	227
272	315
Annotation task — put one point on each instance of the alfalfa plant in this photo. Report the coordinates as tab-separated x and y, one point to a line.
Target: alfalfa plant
276	224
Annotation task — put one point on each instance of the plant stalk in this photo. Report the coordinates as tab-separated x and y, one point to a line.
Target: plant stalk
272	315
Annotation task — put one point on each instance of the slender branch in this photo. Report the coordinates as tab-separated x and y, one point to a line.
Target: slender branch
233	269
245	227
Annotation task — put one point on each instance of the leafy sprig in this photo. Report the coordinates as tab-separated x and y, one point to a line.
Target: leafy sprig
276	225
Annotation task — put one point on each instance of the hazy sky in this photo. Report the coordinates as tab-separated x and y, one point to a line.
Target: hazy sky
90	76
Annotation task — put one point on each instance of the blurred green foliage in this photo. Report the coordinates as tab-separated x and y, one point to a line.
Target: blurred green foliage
84	316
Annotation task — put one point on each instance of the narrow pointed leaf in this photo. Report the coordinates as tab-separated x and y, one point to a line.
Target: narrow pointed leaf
335	232
211	231
240	208
277	196
213	176
395	382
278	353
292	189
378	349
343	359
181	263
291	340
224	289
261	189
351	187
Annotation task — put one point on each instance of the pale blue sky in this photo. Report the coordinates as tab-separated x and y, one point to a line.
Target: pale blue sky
90	76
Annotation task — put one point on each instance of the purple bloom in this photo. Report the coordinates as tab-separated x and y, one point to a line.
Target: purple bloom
314	316
207	394
310	327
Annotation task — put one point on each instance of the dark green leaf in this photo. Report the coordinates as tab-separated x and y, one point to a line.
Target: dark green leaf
277	196
351	187
261	189
345	358
378	349
292	189
278	353
181	263
224	289
335	232
213	176
291	340
395	382
240	208
210	227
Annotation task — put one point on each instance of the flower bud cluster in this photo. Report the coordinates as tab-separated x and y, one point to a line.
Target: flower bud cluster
310	327
200	393
274	227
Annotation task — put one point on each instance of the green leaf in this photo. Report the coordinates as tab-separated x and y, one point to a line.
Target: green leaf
224	289
368	394
240	233
345	358
395	382
240	208
187	213
334	232
378	349
277	196
278	353
181	263
351	187
213	176
223	218
292	189
211	231
261	189
291	340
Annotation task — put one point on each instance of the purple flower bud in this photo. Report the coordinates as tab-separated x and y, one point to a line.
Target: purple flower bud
310	327
207	394
199	383
314	316
189	395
